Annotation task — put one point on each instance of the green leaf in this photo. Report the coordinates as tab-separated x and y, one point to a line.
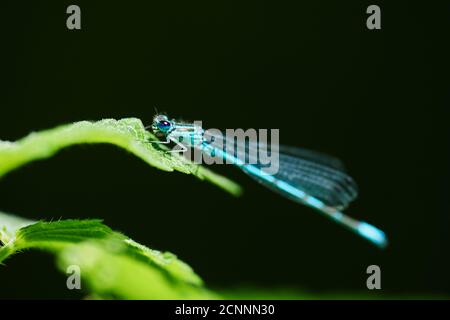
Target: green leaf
9	226
128	134
112	265
111	272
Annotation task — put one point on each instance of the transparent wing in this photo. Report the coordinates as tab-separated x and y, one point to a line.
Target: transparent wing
314	156
305	176
318	175
333	187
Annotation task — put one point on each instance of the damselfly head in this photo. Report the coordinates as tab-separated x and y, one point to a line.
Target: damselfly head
161	125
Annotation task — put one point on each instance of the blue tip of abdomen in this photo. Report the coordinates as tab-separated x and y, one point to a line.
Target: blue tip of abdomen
373	234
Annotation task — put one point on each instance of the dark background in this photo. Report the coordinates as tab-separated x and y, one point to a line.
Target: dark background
376	99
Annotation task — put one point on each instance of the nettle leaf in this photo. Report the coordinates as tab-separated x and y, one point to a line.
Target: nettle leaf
111	271
111	264
128	134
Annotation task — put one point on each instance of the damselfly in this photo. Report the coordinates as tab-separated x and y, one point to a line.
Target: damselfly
307	177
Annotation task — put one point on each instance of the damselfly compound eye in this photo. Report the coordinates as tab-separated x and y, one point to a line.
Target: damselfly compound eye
164	125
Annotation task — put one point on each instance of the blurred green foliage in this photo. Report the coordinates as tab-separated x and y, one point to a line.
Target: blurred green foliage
129	134
112	265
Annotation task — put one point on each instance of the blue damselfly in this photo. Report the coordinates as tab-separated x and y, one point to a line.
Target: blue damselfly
310	178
